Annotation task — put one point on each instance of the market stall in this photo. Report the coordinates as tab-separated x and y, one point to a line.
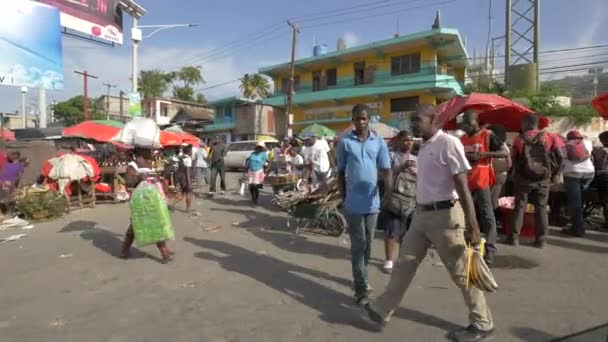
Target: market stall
74	176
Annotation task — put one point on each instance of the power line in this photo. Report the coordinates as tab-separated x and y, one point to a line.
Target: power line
349	10
221	52
366	17
217	85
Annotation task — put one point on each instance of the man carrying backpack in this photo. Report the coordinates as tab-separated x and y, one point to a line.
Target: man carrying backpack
578	174
537	159
481	146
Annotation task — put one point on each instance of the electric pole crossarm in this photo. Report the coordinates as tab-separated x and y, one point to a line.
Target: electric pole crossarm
85	100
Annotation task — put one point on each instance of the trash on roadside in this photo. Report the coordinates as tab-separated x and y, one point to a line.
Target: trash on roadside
58	322
190	284
211	227
15	222
63	256
14	237
236	224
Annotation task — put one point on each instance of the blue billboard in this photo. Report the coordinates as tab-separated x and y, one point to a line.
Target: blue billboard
30	45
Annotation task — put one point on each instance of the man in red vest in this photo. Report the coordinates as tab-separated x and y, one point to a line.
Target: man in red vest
480	146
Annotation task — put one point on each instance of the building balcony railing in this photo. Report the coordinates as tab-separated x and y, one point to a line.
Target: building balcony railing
377	78
223	125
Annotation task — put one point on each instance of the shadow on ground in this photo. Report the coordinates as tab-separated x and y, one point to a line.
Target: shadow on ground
104	240
255	219
577	244
514	262
531	334
287	278
292	280
302	244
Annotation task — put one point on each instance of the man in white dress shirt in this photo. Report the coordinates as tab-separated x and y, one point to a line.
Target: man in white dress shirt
444	208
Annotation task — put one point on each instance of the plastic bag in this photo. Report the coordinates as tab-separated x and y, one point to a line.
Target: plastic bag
478	272
150	215
140	132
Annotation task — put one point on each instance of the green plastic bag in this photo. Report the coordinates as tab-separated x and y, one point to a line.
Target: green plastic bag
150	215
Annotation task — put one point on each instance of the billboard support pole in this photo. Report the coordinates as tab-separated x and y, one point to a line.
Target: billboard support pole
23	117
134	65
42	108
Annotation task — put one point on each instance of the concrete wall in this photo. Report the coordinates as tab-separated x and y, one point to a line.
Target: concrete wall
255	119
591	131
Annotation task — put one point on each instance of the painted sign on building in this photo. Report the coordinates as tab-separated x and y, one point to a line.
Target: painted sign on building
333	112
30	41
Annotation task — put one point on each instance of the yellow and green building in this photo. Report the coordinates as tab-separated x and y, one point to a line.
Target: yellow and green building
392	76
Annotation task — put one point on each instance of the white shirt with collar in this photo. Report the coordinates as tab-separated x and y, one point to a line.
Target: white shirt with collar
440	158
317	155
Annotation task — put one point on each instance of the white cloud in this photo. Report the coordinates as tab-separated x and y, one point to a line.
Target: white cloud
351	39
113	65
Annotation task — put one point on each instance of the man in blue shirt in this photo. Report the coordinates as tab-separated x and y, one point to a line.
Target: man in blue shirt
362	156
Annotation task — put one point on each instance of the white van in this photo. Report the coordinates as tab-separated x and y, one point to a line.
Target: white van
238	152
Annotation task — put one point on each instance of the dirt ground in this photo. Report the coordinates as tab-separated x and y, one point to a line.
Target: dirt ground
239	275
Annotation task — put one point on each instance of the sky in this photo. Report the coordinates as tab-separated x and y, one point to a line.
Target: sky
235	37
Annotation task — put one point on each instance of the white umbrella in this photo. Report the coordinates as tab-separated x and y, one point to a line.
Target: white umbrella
70	167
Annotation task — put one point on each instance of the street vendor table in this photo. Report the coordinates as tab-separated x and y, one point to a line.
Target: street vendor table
113	175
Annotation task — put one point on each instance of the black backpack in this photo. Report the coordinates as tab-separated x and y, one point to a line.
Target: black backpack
535	162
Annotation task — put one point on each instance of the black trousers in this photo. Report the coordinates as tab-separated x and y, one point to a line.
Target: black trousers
215	171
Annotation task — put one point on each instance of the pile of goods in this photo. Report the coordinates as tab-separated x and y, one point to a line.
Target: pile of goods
281	179
326	193
149	215
41	205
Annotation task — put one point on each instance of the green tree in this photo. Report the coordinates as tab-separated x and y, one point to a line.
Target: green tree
183	82
200	98
70	111
152	83
255	86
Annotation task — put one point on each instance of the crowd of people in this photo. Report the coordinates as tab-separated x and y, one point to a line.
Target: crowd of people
425	188
444	193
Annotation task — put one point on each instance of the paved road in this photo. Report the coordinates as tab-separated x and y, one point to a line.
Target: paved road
255	282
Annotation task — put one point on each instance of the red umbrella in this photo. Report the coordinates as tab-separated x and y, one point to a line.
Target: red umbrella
170	138
191	139
492	108
8	134
600	104
99	130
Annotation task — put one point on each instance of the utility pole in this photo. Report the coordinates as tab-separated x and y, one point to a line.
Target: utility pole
294	35
85	100
595	72
121	95
108	86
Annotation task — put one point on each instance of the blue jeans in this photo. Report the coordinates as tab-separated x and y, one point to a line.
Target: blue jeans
361	229
575	191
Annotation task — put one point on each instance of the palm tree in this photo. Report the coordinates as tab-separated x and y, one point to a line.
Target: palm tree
255	86
152	83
